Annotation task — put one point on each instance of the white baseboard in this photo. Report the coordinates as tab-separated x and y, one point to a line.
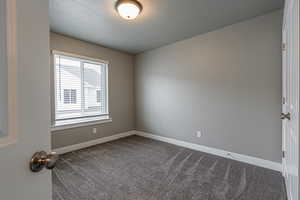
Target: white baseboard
93	142
235	156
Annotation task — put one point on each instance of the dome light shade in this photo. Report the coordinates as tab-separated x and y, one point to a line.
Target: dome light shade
128	9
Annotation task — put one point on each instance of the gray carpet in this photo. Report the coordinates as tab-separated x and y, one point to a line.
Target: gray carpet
137	168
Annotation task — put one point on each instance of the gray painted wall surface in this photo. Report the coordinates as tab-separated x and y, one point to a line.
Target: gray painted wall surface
121	99
3	72
226	83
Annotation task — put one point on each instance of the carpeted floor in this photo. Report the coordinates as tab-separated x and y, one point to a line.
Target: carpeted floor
137	168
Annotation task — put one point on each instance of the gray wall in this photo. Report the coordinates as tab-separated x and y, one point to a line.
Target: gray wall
226	83
3	71
121	99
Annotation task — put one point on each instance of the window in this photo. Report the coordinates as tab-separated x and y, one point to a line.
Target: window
80	88
70	96
98	96
73	96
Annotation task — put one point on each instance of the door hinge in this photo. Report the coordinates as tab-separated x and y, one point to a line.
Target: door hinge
283	100
283	46
283	154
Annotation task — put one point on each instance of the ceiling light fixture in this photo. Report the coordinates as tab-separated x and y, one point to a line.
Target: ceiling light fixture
129	9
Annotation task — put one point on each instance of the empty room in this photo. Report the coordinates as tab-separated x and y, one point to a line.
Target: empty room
149	100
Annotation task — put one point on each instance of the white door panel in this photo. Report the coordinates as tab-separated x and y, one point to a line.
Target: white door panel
24	93
290	83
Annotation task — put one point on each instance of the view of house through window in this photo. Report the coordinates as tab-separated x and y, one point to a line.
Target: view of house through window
81	88
70	96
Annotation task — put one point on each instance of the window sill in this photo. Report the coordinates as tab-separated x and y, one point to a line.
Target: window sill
76	123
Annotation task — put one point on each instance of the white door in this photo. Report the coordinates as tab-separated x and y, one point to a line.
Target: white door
24	98
290	108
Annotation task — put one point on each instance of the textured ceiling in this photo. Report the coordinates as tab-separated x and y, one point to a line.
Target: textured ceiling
161	22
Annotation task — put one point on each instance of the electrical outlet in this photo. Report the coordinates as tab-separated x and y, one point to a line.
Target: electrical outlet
198	134
94	130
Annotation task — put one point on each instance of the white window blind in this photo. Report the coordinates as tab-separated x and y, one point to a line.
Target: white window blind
80	88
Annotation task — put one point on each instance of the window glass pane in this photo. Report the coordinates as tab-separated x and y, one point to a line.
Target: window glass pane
98	96
73	99
94	89
68	87
66	96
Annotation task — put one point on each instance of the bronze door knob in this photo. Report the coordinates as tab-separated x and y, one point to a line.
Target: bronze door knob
41	160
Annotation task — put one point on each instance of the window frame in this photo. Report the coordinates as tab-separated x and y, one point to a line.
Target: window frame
85	119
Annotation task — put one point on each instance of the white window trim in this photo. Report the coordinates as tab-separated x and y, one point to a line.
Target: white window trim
81	122
84	121
79	56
